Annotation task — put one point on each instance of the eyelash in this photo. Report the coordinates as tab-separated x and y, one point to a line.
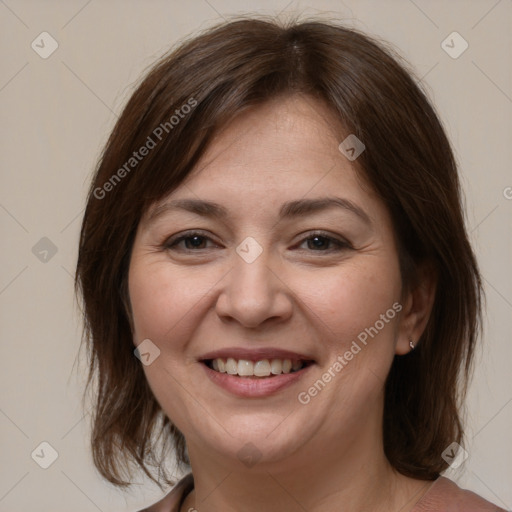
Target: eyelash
171	244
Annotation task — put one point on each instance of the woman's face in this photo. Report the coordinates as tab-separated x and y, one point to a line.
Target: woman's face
272	254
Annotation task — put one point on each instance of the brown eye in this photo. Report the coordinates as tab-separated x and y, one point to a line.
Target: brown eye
324	243
318	242
189	242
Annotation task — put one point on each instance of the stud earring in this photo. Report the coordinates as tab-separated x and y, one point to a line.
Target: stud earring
411	344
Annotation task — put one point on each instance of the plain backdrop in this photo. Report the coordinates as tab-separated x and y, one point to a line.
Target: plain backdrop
56	115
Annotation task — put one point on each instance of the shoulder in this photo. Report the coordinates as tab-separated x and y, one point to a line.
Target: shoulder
172	501
446	496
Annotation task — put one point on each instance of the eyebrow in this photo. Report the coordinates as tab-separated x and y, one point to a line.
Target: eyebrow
288	210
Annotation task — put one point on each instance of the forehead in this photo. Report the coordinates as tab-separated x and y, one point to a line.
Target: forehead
281	151
273	140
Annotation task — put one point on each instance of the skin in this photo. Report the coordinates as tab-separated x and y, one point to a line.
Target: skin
312	297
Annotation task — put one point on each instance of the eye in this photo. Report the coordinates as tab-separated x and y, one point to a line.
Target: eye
195	241
321	242
190	241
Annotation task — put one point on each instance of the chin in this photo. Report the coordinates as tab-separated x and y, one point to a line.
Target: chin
263	441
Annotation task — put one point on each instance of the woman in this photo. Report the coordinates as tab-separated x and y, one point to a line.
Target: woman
275	226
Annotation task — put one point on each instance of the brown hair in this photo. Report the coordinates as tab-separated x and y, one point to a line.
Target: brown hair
408	161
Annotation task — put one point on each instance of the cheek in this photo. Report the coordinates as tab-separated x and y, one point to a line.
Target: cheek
353	298
356	309
166	302
165	299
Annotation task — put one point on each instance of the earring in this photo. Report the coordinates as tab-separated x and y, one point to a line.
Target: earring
411	344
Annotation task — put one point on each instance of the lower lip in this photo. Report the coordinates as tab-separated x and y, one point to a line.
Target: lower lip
248	387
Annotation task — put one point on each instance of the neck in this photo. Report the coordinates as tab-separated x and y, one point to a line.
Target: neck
352	475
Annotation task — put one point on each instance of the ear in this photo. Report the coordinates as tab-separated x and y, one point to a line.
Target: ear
417	306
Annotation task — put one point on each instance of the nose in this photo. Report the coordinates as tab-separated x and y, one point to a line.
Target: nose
254	295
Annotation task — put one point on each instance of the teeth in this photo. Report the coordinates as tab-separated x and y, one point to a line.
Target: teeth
276	366
231	366
245	368
262	368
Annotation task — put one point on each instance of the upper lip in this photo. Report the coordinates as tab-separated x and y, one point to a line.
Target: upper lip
255	354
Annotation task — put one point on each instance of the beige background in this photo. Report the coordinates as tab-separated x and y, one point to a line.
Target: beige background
57	113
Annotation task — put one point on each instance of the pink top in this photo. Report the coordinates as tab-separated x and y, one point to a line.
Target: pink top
443	496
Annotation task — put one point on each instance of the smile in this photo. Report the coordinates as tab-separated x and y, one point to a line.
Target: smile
258	369
255	375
